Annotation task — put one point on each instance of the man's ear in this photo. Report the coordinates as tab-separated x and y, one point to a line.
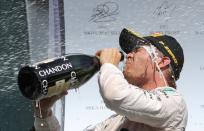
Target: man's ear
164	62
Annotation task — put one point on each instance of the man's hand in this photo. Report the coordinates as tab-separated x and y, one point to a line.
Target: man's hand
109	55
46	104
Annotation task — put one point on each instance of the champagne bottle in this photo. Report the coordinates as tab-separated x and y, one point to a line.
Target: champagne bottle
52	76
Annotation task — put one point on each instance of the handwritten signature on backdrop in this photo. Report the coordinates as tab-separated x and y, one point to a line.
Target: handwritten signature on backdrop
164	9
105	12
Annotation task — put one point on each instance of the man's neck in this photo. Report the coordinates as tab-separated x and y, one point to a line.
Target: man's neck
153	84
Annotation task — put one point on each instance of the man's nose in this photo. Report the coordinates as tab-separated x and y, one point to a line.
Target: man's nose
129	55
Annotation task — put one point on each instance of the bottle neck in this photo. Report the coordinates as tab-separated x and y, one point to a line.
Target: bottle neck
97	62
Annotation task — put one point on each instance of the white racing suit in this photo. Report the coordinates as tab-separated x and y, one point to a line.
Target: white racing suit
162	109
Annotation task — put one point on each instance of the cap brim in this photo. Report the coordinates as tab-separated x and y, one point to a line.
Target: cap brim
129	40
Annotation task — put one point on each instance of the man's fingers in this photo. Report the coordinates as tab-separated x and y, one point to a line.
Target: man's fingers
109	55
98	53
63	94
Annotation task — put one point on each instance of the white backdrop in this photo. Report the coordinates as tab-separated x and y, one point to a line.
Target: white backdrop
92	24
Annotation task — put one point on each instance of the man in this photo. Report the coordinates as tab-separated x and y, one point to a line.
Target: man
144	96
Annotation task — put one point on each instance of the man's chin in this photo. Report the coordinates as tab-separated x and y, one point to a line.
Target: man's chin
125	74
130	80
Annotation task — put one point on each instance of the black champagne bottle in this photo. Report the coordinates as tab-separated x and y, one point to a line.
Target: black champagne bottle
52	76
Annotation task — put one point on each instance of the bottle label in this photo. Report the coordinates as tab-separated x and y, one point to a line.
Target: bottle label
51	69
